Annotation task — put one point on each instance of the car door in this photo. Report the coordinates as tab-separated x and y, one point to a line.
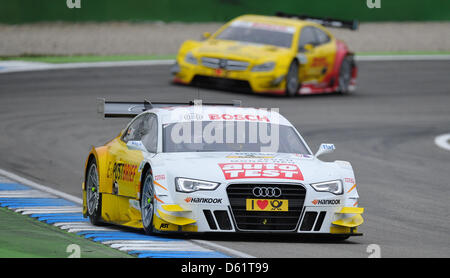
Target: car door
126	180
326	53
314	52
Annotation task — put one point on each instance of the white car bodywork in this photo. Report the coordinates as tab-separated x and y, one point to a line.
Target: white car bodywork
320	212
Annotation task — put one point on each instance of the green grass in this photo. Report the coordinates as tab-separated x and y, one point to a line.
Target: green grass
84	58
116	58
24	237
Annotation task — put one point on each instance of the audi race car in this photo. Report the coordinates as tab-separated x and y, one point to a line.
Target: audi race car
284	54
194	168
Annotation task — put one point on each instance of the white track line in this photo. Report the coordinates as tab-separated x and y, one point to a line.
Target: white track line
82	226
403	57
222	249
443	141
21	66
46	189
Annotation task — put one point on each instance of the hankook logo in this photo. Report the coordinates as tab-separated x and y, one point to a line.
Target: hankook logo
203	200
326	202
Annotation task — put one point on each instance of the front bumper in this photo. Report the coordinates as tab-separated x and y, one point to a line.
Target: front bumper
258	82
203	212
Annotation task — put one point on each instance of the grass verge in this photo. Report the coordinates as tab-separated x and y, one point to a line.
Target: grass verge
24	237
118	58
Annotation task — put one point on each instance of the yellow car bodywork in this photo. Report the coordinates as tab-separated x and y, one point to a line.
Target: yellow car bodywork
117	163
316	64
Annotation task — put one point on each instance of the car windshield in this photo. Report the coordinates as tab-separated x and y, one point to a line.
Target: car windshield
231	136
258	33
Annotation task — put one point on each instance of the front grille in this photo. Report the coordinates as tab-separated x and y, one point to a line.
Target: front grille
215	63
221	83
266	220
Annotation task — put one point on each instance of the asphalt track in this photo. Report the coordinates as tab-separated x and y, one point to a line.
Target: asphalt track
386	129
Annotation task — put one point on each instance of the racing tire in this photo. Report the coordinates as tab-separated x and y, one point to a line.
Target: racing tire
292	81
345	75
148	202
93	195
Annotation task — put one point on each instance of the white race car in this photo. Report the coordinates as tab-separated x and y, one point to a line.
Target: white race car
216	168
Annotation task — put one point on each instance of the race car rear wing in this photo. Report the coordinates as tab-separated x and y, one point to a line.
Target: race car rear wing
129	109
327	22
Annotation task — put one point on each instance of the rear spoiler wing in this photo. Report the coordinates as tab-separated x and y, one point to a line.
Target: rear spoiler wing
327	22
129	109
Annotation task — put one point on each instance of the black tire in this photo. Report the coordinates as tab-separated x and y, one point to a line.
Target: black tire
292	81
345	75
148	202
93	196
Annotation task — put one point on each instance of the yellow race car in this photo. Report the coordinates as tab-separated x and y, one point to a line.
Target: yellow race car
283	54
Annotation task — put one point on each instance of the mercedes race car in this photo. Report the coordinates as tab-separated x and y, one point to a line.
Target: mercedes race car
193	167
284	54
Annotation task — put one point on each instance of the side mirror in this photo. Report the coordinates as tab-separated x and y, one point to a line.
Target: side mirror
306	48
206	35
136	146
325	148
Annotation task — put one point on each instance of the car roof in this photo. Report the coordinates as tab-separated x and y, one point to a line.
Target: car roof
274	20
174	114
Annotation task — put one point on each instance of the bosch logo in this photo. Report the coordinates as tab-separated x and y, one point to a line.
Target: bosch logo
266	192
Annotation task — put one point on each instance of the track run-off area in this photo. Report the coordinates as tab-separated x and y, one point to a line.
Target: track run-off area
387	129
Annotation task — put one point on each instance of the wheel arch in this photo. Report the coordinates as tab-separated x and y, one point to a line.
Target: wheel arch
147	167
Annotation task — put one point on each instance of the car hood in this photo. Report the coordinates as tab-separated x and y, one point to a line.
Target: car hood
238	50
247	167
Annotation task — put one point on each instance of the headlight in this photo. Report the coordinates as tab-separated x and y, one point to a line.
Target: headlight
264	67
189	58
334	187
191	185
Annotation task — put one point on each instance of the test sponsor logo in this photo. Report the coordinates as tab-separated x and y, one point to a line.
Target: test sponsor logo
260	171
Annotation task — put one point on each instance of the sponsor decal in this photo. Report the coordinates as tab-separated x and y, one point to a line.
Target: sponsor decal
164	226
193	117
303	155
326	202
267	205
122	171
264	26
135	204
260	171
249	156
203	200
349	180
160	177
239	117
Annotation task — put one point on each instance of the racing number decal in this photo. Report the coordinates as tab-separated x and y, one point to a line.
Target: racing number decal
260	171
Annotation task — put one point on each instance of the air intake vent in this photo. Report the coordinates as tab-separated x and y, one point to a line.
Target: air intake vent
222	219
308	221
210	219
